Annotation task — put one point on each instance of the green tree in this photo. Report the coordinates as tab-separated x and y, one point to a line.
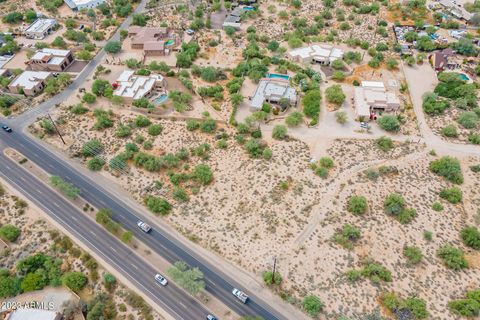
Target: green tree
191	279
74	281
311	103
158	205
389	123
33	281
9	232
95	164
335	94
113	47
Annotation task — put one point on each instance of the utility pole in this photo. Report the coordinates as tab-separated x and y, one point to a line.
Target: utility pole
273	273
55	126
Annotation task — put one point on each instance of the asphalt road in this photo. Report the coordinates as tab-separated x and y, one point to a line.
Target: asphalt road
217	283
98	240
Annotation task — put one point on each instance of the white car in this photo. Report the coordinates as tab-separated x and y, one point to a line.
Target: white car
160	279
144	226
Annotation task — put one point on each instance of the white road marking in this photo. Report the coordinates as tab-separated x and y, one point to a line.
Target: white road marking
56	204
73	217
93	233
113	249
134	266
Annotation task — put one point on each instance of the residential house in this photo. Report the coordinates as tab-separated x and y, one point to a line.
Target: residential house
132	87
29	82
272	90
34	314
371	97
155	41
50	60
40	28
234	18
457	10
444	59
323	54
83	4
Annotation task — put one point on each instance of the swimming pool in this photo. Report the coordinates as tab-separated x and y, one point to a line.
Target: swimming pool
276	75
160	99
463	77
248	8
169	42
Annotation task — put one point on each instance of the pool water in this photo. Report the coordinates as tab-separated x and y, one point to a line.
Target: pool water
276	75
248	8
161	99
463	77
169	42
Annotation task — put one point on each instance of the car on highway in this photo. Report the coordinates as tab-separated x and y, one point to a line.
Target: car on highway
211	317
144	226
6	128
240	295
161	279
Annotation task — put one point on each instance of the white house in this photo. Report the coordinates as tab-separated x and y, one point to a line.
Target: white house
372	96
29	82
83	4
40	28
133	87
320	53
272	90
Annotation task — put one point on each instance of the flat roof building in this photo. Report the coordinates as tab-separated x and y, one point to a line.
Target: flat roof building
155	41
456	10
372	96
320	53
50	60
29	82
40	28
34	314
133	87
272	90
81	4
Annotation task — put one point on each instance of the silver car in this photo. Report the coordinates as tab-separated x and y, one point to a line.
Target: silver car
161	279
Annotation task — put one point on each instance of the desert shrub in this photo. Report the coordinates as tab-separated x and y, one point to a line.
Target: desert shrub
467	307
341	117
142	121
208	125
157	205
357	205
384	143
452	257
9	232
191	279
203	174
449	168
279	132
269	278
180	195
294	119
347	236
66	188
413	306
389	123
123	131
468	119
334	94
322	172
449	131
353	275
452	195
376	272
394	205
437	206
89	97
155	129
427	235
471	237
95	164
474	138
312	305
74	281
413	254
255	147
326	162
192	125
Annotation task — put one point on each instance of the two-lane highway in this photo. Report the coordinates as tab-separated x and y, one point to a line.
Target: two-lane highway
99	241
217	283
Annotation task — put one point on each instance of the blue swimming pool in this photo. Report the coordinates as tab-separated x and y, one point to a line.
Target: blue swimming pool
161	99
276	75
248	8
463	77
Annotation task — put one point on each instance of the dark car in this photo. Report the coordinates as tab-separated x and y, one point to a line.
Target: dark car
7	128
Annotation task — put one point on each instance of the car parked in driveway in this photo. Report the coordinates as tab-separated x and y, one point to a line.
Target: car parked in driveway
6	128
161	279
